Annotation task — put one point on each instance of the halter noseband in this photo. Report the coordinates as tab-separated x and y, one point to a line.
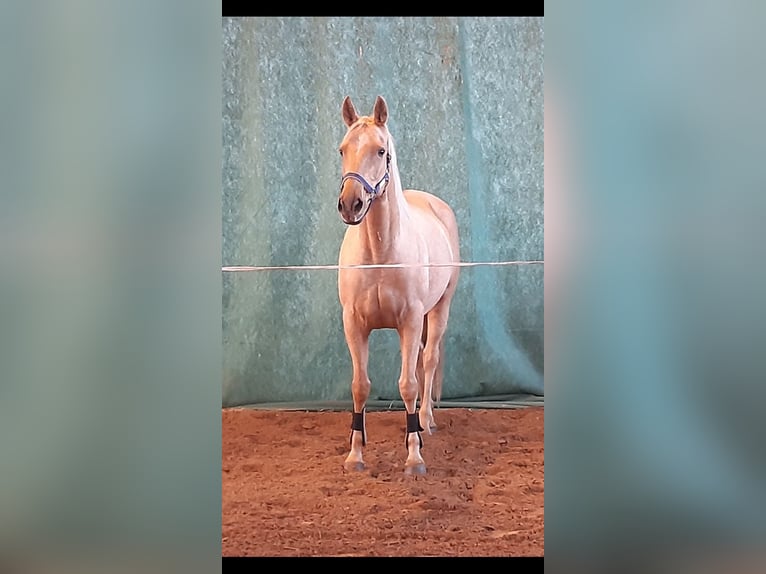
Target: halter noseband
373	191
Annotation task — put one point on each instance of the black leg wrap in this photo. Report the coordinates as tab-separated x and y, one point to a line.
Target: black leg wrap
357	423
413	425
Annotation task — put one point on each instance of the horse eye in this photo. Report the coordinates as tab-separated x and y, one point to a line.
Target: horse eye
381	151
340	151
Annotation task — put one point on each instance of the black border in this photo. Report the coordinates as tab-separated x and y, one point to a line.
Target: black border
527	8
520	564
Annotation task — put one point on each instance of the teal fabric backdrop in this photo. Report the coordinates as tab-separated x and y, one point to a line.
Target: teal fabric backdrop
465	99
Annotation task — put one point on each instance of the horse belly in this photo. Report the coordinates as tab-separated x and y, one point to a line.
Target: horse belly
435	282
438	281
438	231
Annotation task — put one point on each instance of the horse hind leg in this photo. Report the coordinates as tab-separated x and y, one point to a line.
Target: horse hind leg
433	364
421	374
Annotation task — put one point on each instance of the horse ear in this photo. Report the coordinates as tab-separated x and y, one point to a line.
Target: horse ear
348	111
380	111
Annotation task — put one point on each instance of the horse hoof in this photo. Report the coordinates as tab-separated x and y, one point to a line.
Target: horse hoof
355	466
419	468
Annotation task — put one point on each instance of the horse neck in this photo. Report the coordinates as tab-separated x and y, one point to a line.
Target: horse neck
384	225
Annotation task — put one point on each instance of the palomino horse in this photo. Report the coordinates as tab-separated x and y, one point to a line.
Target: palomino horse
389	225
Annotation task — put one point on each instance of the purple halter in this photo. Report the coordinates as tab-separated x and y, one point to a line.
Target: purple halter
373	191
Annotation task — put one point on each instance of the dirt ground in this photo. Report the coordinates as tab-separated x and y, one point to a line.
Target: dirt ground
286	493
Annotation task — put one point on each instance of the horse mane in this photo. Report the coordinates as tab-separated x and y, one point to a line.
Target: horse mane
394	168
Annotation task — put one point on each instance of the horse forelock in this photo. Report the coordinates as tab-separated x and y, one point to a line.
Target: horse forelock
365	122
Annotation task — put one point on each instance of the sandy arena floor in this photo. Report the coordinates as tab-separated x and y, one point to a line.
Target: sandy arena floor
285	492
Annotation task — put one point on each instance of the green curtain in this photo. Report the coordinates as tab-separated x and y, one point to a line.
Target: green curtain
465	99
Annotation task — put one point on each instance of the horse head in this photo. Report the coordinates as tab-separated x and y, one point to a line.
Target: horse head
365	158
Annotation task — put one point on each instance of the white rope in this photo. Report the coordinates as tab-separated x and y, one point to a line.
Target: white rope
235	268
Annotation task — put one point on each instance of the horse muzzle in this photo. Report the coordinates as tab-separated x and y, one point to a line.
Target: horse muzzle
353	209
353	204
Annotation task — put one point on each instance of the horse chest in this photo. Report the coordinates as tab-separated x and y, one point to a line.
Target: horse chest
380	300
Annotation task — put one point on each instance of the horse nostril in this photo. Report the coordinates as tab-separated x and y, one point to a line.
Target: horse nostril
357	205
340	205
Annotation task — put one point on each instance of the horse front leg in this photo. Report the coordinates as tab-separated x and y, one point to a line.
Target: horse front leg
410	340
358	346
